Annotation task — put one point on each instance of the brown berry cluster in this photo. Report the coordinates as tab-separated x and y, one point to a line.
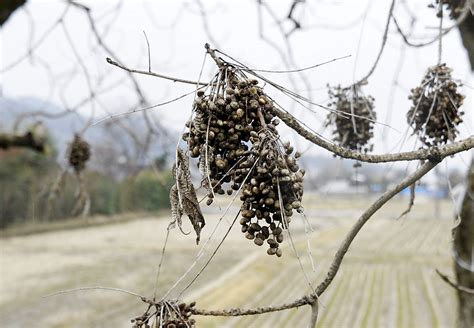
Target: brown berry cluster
434	114
233	134
79	153
167	314
352	117
273	192
219	133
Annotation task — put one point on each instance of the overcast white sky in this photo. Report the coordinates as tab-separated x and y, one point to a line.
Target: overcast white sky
176	32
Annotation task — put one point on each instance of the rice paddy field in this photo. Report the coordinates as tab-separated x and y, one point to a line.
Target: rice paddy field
387	279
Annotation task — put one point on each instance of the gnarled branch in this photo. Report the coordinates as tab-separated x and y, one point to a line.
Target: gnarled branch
293	123
336	263
433	155
421	154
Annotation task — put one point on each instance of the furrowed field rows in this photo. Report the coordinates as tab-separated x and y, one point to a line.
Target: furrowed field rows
386	280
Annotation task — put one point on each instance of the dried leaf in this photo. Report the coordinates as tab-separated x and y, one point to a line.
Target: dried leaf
183	196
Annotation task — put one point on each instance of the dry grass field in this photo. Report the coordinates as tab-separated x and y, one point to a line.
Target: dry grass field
387	279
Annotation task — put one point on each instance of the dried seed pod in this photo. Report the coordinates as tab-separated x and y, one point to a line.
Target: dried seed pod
255	226
271	251
236	146
279	238
79	153
353	117
258	241
248	214
435	115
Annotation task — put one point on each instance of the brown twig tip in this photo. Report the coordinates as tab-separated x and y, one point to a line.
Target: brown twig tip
161	76
212	52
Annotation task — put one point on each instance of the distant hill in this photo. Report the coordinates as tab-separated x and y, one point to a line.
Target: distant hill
62	127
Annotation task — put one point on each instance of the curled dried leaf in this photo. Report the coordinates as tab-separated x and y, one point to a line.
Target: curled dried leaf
183	196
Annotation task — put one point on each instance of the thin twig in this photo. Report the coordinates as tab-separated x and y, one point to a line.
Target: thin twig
158	271
113	289
292	244
112	116
41	39
292	122
384	41
460	20
440	35
455	285
161	76
149	53
411	202
212	255
294	70
289	93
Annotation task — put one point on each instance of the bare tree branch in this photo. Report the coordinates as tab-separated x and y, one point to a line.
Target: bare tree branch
343	248
161	76
453	284
420	154
293	123
382	47
465	14
314	314
411	201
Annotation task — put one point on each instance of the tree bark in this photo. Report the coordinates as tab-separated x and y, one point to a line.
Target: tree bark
464	253
464	234
7	7
466	28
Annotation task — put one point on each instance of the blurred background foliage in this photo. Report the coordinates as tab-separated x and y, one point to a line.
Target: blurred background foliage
27	177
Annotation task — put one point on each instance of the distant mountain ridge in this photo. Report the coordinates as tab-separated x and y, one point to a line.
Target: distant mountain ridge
60	128
63	128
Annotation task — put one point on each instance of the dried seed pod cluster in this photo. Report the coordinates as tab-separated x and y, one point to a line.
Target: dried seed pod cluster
79	153
274	190
167	314
220	130
233	134
352	117
434	114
